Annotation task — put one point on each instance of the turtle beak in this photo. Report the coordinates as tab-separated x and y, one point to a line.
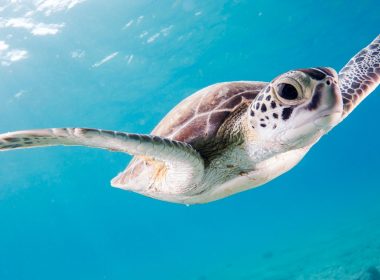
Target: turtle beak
332	108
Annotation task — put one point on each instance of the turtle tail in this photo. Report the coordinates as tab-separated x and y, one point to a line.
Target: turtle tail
360	76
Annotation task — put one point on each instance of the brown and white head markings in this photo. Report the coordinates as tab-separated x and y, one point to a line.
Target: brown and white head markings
297	108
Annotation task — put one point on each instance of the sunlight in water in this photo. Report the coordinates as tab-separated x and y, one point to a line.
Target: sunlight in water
123	65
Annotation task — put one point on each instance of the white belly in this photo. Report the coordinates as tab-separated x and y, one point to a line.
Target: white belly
258	175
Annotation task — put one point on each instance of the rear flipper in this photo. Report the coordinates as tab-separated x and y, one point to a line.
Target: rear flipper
184	165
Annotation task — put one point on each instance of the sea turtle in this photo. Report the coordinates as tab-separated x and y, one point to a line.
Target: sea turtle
228	137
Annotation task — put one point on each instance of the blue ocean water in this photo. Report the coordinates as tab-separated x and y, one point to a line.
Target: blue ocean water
122	65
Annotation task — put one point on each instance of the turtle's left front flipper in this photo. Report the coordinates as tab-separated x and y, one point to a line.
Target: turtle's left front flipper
183	163
360	76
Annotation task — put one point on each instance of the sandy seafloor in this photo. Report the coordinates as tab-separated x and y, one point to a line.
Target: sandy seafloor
122	65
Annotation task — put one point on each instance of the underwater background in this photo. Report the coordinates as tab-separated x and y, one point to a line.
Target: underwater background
122	65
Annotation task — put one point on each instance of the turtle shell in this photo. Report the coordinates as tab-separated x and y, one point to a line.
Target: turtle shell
196	121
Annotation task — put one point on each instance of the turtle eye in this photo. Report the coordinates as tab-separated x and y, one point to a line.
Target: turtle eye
287	91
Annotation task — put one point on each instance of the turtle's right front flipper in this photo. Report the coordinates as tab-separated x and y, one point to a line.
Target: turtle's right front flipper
184	166
360	76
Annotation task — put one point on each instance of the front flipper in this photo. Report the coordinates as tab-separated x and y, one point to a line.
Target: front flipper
360	76
183	165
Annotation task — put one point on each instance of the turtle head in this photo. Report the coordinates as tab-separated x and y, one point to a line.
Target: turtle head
297	108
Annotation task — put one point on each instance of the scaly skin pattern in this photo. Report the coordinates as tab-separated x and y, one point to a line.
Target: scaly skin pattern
228	137
360	76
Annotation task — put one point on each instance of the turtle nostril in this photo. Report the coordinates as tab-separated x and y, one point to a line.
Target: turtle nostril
329	81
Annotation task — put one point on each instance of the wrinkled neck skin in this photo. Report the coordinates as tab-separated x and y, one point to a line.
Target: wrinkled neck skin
261	149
